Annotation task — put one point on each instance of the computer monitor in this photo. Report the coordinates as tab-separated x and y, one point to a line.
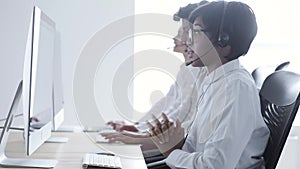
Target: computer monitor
58	99
38	80
17	162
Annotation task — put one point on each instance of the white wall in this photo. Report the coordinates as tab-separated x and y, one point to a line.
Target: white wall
14	17
77	22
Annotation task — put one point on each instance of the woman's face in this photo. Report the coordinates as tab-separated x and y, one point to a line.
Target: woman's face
201	46
180	40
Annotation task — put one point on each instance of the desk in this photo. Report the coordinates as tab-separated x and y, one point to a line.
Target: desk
69	155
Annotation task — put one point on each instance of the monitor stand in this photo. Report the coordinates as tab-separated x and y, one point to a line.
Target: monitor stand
19	162
51	139
69	128
57	140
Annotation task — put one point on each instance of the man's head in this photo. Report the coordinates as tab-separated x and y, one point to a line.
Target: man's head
230	26
180	40
184	12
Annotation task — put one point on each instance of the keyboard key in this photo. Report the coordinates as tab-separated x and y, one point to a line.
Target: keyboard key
101	160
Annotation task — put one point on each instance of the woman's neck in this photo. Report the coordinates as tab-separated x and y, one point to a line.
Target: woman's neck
215	65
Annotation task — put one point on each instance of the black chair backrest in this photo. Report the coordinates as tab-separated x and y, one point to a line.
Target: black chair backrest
282	66
280	100
261	73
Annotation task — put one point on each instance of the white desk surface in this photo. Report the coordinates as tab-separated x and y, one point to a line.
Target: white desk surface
69	155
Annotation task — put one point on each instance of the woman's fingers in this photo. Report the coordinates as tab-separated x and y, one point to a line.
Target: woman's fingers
178	123
151	127
171	128
158	129
155	132
156	121
165	128
165	118
110	135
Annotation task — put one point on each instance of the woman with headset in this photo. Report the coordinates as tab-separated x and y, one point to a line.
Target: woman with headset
228	131
180	100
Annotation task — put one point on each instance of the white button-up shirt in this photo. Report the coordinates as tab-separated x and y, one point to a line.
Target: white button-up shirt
180	100
229	131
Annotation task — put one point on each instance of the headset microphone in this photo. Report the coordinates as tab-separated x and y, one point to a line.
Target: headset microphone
191	62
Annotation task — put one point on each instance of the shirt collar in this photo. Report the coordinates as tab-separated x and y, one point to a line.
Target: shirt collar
223	70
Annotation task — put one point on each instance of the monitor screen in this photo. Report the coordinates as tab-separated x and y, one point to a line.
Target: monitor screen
58	99
38	80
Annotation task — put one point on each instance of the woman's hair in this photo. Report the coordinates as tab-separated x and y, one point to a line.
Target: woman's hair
235	19
184	12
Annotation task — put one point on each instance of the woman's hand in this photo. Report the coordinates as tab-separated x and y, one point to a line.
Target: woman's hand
165	135
127	137
122	126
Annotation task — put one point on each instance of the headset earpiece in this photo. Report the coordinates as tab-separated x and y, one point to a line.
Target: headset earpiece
223	40
223	37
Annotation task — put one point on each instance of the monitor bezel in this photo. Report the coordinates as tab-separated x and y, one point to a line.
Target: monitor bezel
58	96
33	140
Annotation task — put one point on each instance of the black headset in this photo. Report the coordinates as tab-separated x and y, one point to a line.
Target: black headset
223	37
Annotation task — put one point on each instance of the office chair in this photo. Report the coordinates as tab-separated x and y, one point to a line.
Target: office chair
282	66
158	165
261	73
280	101
154	159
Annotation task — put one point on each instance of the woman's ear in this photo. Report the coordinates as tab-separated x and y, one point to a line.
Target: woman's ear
223	51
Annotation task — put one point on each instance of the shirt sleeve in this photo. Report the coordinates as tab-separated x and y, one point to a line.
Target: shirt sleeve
227	142
169	104
166	104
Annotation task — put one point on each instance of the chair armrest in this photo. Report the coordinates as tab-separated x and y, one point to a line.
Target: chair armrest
158	165
152	155
154	158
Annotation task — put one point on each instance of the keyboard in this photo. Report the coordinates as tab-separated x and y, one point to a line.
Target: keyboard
101	139
94	160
